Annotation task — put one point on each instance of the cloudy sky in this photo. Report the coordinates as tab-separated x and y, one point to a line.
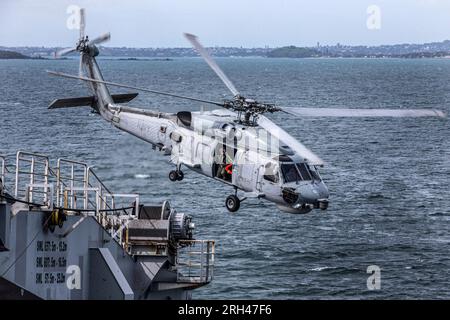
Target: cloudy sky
248	23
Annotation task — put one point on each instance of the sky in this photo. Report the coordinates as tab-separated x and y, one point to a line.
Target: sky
246	23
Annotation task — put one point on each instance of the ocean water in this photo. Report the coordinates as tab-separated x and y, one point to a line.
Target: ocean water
389	179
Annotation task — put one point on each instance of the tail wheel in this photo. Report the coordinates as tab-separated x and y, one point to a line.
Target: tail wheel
180	175
232	203
173	175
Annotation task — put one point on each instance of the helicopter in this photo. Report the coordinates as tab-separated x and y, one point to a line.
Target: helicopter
235	144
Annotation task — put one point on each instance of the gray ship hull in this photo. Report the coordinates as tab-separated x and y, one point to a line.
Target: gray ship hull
39	261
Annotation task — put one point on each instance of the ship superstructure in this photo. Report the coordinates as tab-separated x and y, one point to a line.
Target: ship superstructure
65	235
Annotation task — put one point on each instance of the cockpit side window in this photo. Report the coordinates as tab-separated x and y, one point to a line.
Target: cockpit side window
271	173
290	172
314	173
304	171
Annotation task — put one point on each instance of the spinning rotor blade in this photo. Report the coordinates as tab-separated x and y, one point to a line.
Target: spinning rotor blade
64	75
101	39
345	112
63	52
284	137
213	65
82	24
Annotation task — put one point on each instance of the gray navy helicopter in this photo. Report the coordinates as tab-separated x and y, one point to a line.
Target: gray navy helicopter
235	144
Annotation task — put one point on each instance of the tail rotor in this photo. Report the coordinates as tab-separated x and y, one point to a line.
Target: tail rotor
84	45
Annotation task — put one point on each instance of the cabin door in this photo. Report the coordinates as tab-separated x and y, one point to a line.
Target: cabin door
203	156
244	174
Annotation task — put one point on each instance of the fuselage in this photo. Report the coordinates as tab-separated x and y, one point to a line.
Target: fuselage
206	142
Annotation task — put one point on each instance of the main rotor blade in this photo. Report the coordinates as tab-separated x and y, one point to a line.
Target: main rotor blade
286	138
82	23
101	39
63	52
114	84
210	61
346	112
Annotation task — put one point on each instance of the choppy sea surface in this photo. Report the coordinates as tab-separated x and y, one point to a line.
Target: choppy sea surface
389	179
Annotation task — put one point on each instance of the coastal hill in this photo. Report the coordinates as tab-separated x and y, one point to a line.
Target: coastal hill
8	54
406	50
293	52
12	55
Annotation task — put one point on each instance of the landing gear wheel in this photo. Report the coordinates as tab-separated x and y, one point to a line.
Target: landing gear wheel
232	203
173	175
180	175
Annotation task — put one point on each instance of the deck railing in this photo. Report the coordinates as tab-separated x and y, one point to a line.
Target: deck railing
72	186
195	261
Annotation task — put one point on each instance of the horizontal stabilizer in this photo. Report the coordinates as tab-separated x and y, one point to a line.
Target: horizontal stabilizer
124	98
89	101
72	102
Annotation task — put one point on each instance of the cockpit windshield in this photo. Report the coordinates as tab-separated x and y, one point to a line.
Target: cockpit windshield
293	172
290	172
314	173
304	171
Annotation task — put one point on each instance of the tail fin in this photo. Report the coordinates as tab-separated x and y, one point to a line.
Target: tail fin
88	51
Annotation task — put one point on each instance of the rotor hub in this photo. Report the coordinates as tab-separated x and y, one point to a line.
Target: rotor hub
84	46
249	109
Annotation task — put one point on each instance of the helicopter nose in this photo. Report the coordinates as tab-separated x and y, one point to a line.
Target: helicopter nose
314	192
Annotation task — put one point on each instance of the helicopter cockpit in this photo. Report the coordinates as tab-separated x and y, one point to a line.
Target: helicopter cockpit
292	171
295	172
271	172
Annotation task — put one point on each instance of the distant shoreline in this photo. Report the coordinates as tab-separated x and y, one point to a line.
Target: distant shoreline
149	59
406	50
292	53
